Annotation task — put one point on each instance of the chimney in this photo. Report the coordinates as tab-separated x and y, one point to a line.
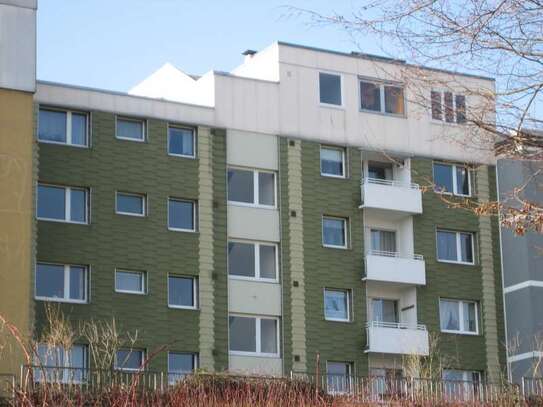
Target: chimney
249	54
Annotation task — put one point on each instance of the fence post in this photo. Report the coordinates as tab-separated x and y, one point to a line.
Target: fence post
523	389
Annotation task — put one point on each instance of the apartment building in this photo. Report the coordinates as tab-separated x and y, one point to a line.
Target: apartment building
260	221
522	265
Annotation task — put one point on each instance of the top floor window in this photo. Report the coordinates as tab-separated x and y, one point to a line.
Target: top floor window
130	129
181	141
63	127
382	98
333	162
330	89
448	107
452	179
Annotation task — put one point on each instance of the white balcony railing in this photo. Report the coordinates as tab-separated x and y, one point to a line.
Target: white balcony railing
391	195
399	338
393	267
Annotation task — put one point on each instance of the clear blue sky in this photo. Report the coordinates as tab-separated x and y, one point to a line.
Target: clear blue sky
113	44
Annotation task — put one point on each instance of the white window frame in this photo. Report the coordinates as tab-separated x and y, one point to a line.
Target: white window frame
258	338
66	367
128	369
67	204
345	232
66	298
144	204
143	122
458	247
195	293
256	188
343	162
143	277
442	101
454	179
461	330
323	104
194	215
68	127
195	363
349	299
381	85
194	147
257	277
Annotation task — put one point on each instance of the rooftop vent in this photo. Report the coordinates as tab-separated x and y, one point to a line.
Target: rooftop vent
249	52
376	57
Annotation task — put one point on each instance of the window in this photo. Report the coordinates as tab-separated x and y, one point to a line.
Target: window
333	162
337	305
383	241
448	107
455	247
252	260
379	170
62	204
461	384
131	282
59	365
251	187
384	310
61	282
334	232
452	179
330	89
130	129
182	215
339	377
129	359
458	316
180	364
386	381
130	204
181	141
254	335
182	292
63	127
382	98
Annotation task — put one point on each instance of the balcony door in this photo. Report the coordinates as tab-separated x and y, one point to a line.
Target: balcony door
385	311
383	241
379	170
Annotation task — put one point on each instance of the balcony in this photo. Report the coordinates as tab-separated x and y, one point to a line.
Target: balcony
391	196
397	338
391	267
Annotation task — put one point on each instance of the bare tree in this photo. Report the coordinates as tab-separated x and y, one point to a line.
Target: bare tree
501	39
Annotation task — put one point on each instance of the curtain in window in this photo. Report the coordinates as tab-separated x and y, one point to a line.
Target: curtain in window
385	310
462	181
449	108
469	317
370	95
436	105
383	240
466	247
336	304
394	100
332	161
449	315
460	109
446	246
52	126
334	233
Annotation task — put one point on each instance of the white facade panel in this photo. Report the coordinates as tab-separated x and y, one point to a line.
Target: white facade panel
18	45
254	297
253	365
245	222
391	196
252	150
400	340
395	269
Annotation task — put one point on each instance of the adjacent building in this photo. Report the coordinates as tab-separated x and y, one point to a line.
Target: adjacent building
258	221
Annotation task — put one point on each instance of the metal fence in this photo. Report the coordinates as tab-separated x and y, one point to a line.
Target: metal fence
375	389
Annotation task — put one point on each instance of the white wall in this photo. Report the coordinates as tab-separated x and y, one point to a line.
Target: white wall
18	44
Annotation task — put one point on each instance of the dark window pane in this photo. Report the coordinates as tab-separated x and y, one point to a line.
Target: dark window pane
50	281
181	141
77	283
460	109
332	161
128	203
446	246
180	362
394	100
241	259
470	323
51	202
181	291
466	247
267	262
129	359
130	129
242	334
385	310
443	178
330	89
462	181
52	126
268	335
436	106
241	186
79	129
129	281
370	96
78	205
181	215
333	231
266	188
449	109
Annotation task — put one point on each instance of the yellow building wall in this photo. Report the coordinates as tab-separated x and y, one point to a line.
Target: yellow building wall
16	222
